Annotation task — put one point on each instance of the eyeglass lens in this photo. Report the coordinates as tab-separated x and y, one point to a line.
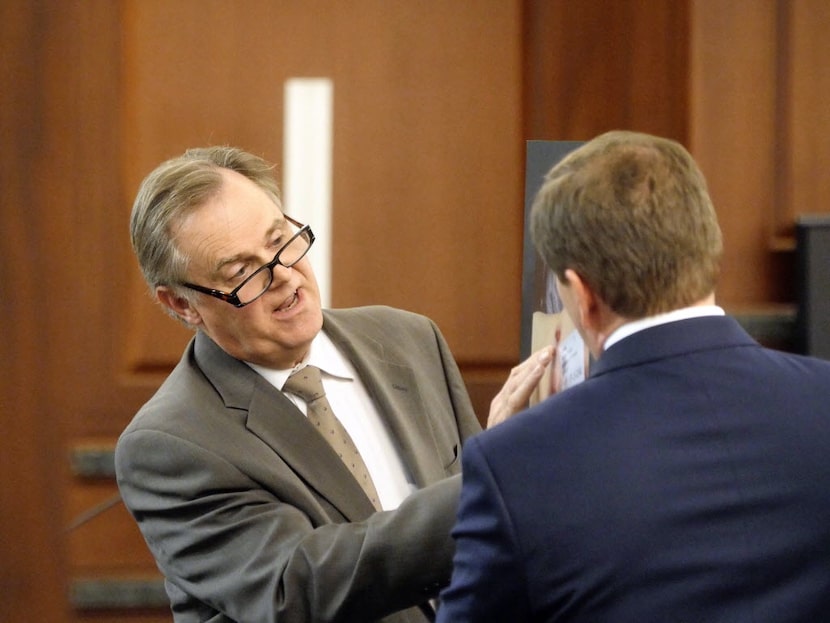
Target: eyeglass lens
287	256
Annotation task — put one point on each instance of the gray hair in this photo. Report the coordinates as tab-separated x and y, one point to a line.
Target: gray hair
171	192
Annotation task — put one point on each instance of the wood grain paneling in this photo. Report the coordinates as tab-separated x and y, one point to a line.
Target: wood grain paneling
62	256
759	120
433	102
806	102
427	143
35	180
596	66
734	93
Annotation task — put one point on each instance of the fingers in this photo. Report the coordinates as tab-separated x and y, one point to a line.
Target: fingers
528	377
523	379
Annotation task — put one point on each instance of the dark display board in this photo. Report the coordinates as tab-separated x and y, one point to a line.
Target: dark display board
813	252
537	293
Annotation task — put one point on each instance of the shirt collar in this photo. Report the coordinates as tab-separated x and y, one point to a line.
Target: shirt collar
322	353
630	328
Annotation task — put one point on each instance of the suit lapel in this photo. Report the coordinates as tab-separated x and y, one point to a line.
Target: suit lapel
392	386
276	420
273	418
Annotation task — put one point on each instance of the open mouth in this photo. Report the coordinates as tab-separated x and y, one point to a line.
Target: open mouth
290	302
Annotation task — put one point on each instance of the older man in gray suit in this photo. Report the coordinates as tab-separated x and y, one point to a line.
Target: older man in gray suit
249	511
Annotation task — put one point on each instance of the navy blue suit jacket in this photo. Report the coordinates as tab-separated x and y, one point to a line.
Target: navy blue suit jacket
687	480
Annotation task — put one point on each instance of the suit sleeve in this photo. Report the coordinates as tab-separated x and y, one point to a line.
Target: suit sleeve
487	576
237	530
220	538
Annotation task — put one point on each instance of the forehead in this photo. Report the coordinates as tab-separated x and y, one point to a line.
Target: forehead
234	220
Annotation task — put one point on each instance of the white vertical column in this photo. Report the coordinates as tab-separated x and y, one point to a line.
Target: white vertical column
307	157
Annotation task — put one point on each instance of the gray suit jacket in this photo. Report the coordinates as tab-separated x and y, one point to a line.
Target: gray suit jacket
251	516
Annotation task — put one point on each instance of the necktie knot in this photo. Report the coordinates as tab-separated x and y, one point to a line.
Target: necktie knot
306	383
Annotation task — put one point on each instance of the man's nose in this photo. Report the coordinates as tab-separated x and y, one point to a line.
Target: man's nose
279	275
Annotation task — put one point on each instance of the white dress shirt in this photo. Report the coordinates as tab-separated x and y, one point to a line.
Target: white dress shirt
354	408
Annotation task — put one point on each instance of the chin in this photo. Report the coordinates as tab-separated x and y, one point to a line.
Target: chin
306	329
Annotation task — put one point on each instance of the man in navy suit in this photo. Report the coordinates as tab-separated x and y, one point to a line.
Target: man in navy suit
688	478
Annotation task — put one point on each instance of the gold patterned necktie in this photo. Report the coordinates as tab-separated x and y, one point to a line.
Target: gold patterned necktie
308	385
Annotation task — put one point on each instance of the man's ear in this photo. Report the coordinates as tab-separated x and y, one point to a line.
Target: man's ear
179	305
593	312
586	300
598	321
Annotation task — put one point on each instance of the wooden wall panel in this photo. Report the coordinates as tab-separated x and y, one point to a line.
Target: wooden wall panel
734	135
48	268
596	66
760	86
806	101
61	260
429	149
427	143
433	102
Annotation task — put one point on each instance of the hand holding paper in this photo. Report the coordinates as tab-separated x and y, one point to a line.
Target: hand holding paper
516	393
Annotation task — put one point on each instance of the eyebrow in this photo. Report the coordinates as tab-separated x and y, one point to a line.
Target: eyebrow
278	224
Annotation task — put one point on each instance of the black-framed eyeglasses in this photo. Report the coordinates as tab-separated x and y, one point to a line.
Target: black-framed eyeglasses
256	284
